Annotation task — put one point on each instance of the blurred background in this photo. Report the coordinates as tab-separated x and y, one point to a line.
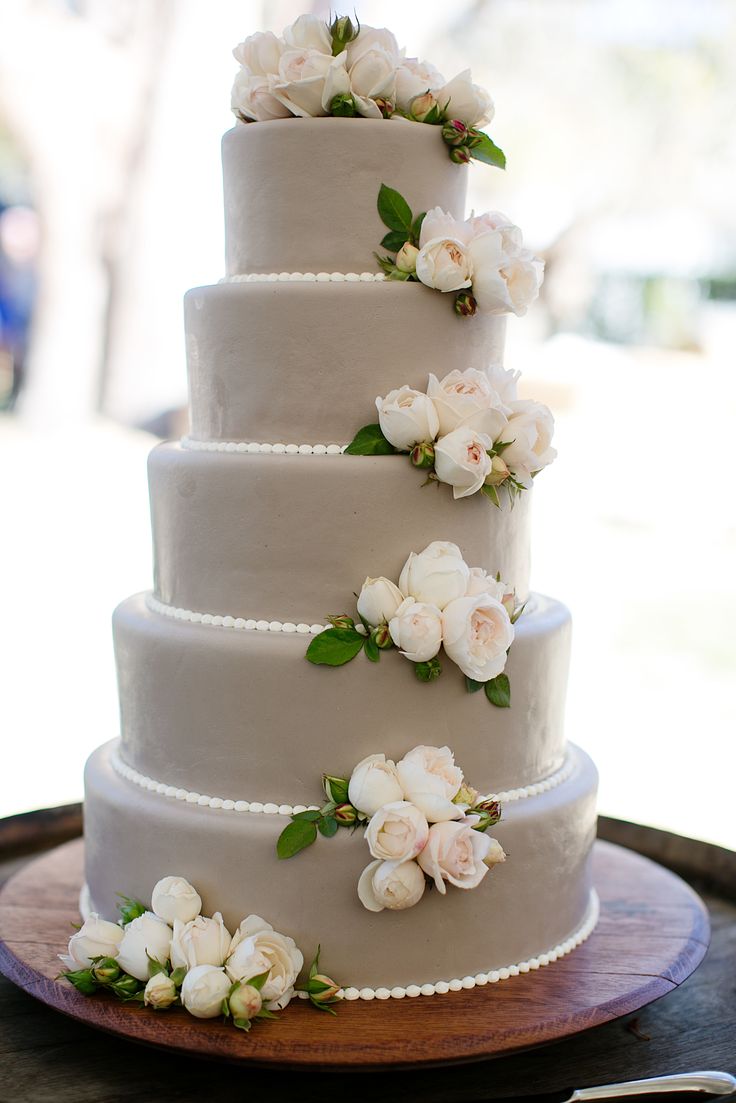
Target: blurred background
617	117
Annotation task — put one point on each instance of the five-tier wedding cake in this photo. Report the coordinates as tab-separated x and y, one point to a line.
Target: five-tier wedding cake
283	499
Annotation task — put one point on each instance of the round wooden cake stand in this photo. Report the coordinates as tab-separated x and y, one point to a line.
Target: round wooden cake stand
653	932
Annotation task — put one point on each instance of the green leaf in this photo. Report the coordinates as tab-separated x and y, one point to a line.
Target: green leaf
394	239
491	493
372	650
393	209
328	826
82	980
487	151
311	815
471	685
314	967
322	1007
500	447
335	647
427	672
298	835
264	1013
370	441
130	909
178	975
259	980
416	227
154	966
498	691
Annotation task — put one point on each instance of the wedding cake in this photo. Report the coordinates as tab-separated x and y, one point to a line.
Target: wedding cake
250	670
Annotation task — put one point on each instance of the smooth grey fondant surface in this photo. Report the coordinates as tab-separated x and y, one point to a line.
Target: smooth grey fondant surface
243	715
300	194
302	363
526	906
292	538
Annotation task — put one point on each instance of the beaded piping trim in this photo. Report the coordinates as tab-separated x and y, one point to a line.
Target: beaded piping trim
252	448
441	987
270	808
240	624
306	277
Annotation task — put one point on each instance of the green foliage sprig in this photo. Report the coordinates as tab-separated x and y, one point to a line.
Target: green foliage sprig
305	826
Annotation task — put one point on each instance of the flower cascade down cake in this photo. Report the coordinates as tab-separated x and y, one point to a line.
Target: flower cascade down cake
342	708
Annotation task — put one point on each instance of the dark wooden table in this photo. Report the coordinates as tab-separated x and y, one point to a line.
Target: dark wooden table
47	1057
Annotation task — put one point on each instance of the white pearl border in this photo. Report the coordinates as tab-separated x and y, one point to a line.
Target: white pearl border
240	624
442	987
253	448
271	808
306	277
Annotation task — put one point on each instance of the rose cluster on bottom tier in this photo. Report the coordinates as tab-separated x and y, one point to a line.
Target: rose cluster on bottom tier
425	825
171	954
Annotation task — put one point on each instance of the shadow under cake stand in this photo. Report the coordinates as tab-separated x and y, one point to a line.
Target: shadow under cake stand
652	934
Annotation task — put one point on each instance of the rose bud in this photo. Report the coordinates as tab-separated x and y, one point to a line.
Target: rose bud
465	305
460	155
406	258
495	853
345	814
499	472
465	795
160	991
490	807
422	455
382	637
385	107
106	971
342	621
126	986
422	106
509	602
336	788
455	132
475	137
245	1002
325	995
343	32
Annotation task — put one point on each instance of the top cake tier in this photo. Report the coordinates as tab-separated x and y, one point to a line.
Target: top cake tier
300	194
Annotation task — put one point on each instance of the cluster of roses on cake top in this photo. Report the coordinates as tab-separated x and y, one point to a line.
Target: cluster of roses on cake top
424	826
469	430
440	602
343	69
171	954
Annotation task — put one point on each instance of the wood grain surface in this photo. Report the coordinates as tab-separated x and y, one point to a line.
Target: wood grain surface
653	933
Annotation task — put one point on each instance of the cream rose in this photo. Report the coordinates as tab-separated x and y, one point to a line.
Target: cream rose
95	938
510	235
393	885
174	898
496	854
160	991
503	283
430	779
529	431
373	783
203	990
373	38
202	941
414	78
252	98
372	77
147	936
260	53
378	600
467	399
480	582
416	629
436	575
308	81
440	224
461	459
256	948
477	633
397	832
504	381
444	264
309	32
468	102
455	852
407	417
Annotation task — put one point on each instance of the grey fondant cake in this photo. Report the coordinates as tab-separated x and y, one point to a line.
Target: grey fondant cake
265	525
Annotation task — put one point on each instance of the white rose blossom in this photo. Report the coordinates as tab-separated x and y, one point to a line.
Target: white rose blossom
455	852
201	941
480	582
373	783
393	885
203	990
374	38
95	938
378	600
397	832
437	575
430	780
416	629
257	948
160	991
407	417
309	32
309	80
372	77
477	633
444	264
529	430
252	98
146	936
414	78
174	898
468	399
468	102
461	459
503	283
260	53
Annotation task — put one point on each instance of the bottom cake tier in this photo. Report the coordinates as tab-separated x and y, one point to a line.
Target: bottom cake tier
532	908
